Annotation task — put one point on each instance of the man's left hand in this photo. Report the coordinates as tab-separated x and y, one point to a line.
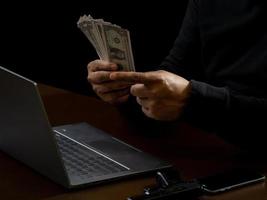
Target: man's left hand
161	94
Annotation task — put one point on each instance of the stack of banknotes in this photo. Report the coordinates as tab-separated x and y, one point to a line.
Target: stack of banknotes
111	42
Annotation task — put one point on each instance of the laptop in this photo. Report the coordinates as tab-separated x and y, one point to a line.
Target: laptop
73	155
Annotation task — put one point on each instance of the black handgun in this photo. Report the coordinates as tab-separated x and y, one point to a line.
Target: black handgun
168	188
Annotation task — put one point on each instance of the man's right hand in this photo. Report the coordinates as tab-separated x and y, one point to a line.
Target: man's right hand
114	92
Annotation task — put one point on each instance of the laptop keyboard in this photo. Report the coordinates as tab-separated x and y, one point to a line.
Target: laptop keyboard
83	162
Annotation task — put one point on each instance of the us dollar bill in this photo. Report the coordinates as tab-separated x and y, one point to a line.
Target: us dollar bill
111	42
88	27
118	48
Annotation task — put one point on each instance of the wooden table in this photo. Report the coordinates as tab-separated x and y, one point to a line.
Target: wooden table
193	152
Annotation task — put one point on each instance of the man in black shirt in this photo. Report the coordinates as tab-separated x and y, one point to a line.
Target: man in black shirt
214	75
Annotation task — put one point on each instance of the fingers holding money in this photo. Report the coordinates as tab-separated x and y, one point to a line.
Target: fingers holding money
99	71
99	77
108	90
101	65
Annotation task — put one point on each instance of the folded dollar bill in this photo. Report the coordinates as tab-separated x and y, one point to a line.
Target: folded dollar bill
111	42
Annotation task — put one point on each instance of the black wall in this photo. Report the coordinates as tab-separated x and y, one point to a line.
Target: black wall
41	41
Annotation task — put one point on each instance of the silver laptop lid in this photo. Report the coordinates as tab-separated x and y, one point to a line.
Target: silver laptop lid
25	132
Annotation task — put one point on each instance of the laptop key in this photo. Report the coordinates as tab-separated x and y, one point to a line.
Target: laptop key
84	162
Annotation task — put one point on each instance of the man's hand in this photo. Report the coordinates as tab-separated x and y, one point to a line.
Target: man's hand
161	94
110	91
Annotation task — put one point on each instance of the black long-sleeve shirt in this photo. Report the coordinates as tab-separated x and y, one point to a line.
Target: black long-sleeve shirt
222	50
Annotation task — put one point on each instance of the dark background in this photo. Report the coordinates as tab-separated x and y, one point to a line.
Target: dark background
40	40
